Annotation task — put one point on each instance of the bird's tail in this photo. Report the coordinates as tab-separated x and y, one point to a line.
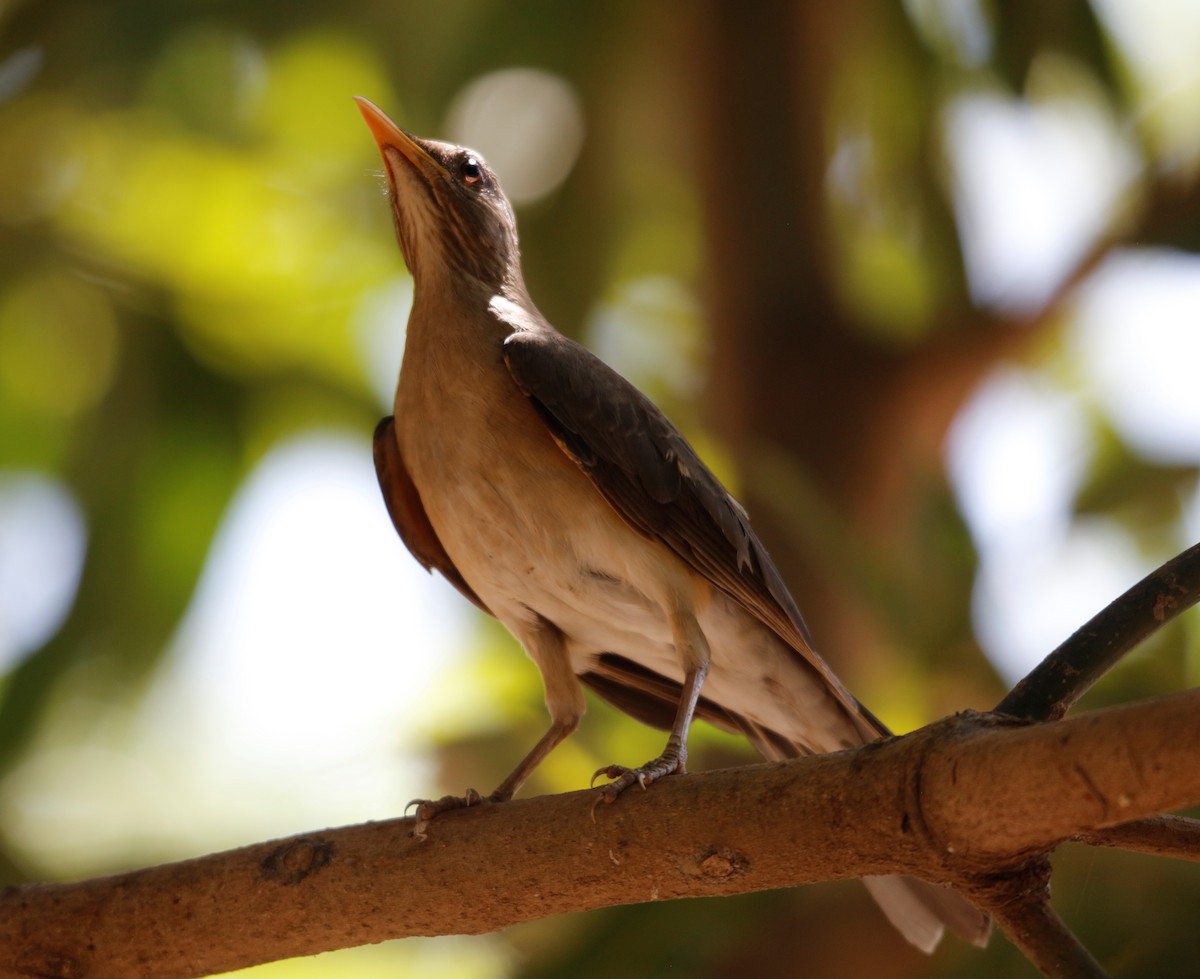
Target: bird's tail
922	911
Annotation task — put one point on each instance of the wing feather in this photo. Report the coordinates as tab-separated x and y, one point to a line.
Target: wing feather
408	512
655	480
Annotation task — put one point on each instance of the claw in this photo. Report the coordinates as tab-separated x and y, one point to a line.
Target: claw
608	771
669	763
428	808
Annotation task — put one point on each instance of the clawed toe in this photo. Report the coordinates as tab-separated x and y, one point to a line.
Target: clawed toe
615	772
427	809
645	775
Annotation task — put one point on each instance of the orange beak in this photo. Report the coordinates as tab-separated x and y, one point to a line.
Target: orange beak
390	136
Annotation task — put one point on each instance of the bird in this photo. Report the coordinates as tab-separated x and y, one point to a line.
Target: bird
555	496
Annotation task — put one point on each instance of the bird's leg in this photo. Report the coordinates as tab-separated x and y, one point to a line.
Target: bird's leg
673	760
559	730
693	649
546	646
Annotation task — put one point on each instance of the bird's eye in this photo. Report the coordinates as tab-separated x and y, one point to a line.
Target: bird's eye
472	172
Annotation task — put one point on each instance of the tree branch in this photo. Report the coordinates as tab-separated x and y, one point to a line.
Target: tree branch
1162	836
1056	683
1021	907
950	803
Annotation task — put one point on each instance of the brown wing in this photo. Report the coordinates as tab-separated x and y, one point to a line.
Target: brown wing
650	474
408	513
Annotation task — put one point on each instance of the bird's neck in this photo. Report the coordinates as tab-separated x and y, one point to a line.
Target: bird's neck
458	319
453	359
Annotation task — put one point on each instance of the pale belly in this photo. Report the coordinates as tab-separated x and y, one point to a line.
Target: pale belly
534	538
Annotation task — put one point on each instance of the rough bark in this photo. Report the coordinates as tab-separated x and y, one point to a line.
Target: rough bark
970	800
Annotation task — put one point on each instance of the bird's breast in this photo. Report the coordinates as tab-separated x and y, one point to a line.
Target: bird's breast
522	522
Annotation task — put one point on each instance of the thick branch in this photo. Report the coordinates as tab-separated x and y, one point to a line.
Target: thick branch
1092	650
967	796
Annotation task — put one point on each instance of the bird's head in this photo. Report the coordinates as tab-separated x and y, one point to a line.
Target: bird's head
450	214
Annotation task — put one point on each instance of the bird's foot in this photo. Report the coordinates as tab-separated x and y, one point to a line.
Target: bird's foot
670	762
428	808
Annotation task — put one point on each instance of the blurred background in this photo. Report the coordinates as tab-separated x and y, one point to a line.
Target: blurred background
920	280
